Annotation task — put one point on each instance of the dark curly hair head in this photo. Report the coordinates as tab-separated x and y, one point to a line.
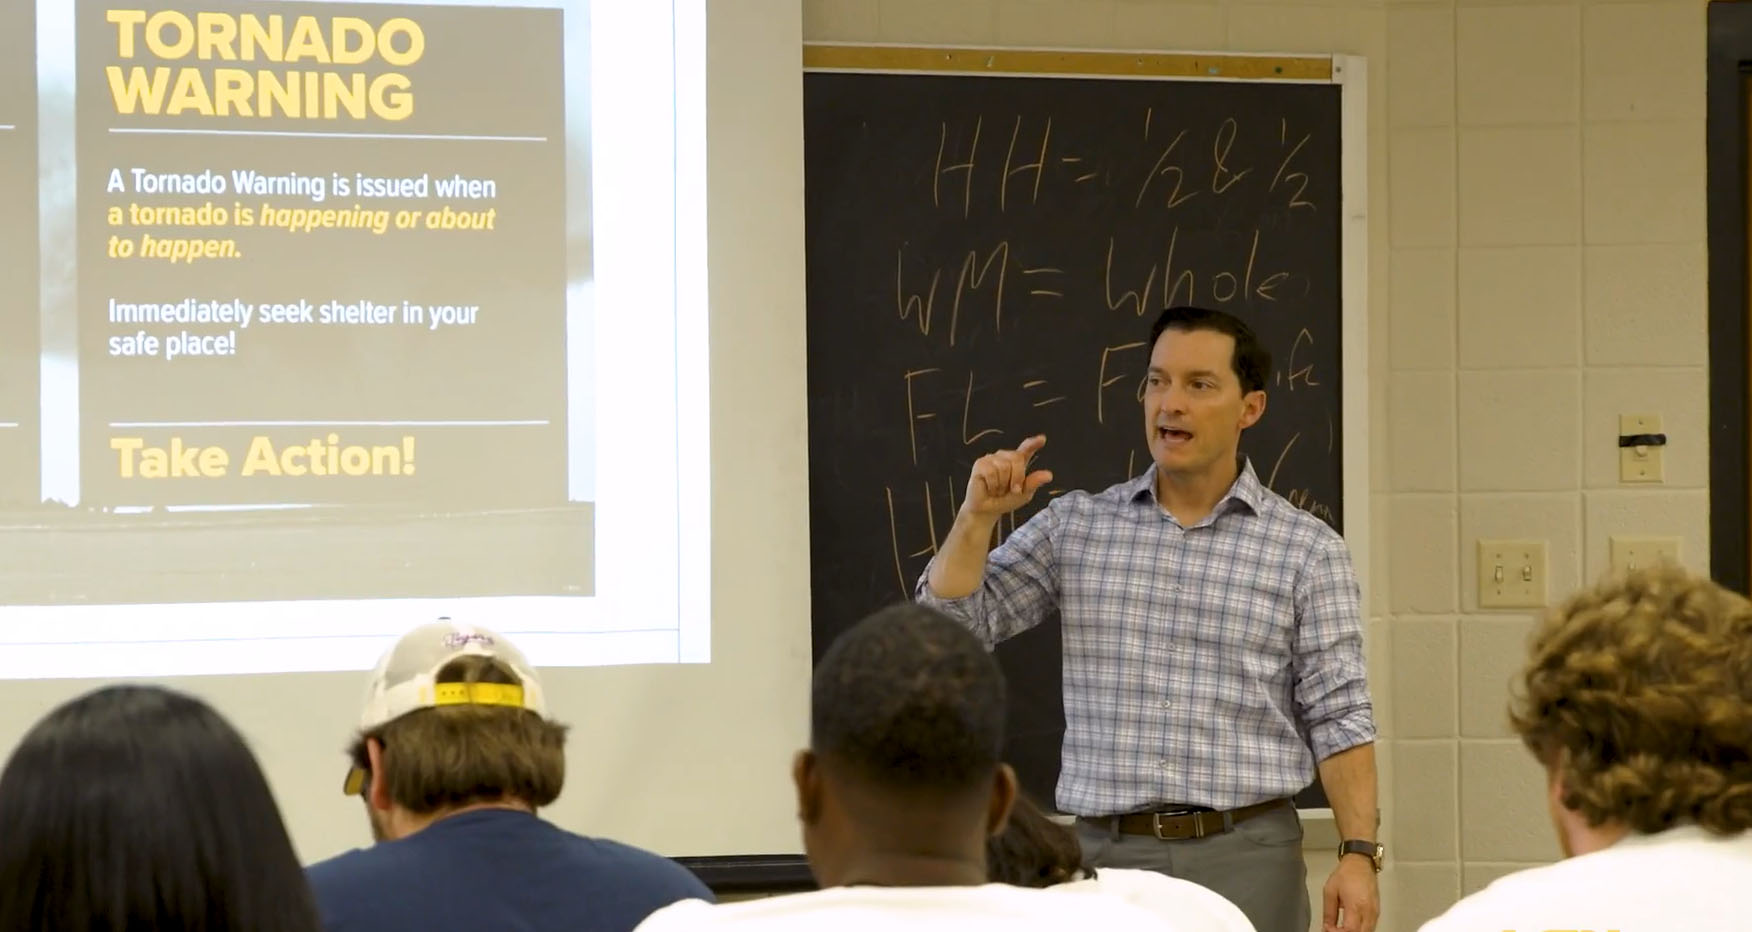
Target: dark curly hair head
909	700
1639	690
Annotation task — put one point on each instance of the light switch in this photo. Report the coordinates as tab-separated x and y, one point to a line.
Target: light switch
1511	573
1634	553
1640	462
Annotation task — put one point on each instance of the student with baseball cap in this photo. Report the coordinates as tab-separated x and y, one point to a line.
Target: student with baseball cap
454	756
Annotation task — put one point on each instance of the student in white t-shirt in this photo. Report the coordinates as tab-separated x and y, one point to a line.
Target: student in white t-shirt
1035	851
1637	699
898	792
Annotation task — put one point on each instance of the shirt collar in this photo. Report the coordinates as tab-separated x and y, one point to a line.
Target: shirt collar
1247	491
1684	831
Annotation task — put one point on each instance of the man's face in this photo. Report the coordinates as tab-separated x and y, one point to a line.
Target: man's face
1194	408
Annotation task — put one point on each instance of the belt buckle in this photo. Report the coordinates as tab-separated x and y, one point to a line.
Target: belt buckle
1156	824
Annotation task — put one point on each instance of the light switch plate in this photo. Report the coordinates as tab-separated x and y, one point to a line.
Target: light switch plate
1631	553
1511	573
1645	463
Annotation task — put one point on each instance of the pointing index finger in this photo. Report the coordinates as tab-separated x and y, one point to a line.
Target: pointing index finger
1031	446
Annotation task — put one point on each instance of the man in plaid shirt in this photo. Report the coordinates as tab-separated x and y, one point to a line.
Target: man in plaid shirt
1212	632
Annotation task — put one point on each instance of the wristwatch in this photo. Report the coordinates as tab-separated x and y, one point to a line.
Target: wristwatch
1373	850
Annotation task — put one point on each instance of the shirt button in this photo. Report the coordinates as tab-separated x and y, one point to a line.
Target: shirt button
1166	704
1166	765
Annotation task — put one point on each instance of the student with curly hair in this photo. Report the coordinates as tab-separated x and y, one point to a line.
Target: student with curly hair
1637	699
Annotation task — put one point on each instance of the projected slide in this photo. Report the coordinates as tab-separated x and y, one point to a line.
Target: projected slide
328	348
19	311
322	294
323	258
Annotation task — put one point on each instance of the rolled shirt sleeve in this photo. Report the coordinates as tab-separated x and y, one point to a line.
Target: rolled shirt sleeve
1020	588
1331	678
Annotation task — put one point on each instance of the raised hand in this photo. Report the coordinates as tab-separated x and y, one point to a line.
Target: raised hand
1001	483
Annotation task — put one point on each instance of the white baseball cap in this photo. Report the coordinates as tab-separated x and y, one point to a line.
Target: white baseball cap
405	679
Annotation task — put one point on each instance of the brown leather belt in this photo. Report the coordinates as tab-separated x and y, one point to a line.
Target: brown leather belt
1179	824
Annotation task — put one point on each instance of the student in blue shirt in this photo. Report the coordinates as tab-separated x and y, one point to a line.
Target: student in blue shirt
455	754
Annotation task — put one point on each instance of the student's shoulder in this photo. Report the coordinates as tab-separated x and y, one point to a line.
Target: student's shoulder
358	867
700	914
966	908
1564	887
1195	908
351	889
1065	906
635	864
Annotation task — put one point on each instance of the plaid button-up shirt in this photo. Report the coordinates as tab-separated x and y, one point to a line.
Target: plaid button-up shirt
1209	665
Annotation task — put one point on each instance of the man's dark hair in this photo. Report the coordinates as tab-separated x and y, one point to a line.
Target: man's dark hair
135	807
1251	361
909	700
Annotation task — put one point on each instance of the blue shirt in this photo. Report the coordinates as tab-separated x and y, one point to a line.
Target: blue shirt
497	869
1210	665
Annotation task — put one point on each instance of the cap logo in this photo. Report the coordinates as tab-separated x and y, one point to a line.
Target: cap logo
459	639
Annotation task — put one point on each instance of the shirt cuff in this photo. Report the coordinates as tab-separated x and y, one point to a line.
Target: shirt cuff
923	595
1354	729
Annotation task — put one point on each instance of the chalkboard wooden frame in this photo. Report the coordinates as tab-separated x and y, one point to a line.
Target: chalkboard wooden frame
1730	332
779	873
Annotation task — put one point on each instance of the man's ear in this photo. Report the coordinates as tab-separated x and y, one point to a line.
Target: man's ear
806	775
376	792
1252	408
1004	789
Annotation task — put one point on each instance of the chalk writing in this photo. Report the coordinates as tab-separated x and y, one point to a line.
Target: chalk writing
1051	292
1222	177
911	304
1103	380
1305	373
1175	198
966	408
912	419
1038	166
967	166
971	278
1298	178
1138	299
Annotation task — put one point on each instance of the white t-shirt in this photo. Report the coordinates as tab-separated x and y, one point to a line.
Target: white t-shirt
989	908
1186	905
1683	880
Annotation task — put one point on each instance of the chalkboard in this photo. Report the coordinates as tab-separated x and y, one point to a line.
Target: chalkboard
985	255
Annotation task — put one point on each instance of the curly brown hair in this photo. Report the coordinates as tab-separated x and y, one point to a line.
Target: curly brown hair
1640	690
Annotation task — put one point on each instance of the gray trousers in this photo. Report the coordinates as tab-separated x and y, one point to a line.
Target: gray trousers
1258	866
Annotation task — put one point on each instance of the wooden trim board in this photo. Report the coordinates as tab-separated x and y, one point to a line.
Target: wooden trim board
1068	62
